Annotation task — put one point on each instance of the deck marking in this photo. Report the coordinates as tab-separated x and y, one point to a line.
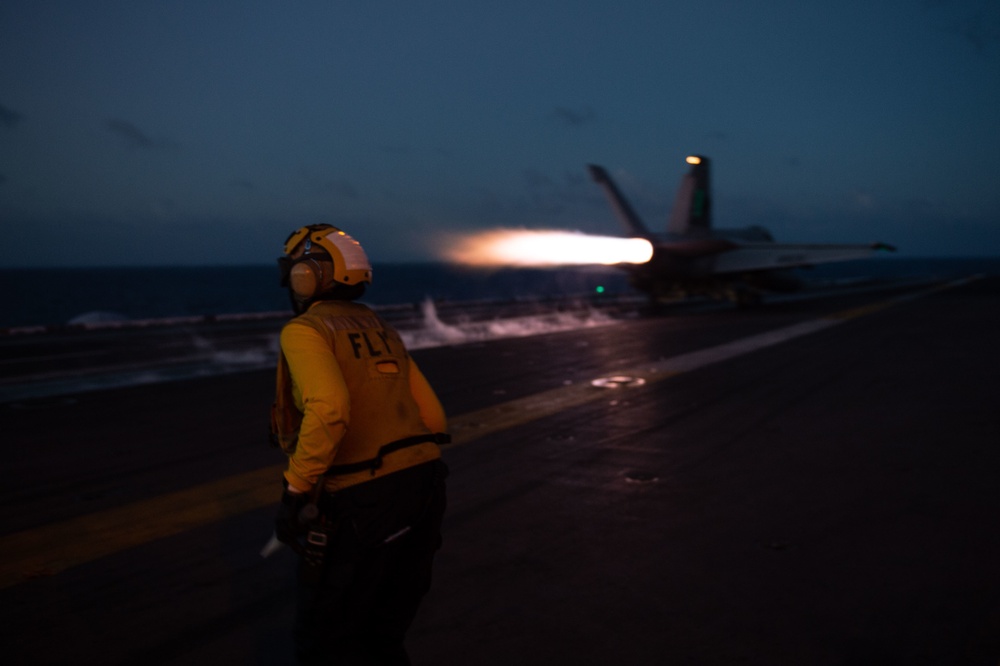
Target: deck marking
47	550
50	549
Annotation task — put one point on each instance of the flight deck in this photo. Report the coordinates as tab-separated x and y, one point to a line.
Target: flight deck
808	482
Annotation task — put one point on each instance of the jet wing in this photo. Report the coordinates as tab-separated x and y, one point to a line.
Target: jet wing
745	257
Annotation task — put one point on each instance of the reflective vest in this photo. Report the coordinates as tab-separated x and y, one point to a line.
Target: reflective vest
383	411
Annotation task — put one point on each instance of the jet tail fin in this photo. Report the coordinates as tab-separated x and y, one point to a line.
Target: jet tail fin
623	210
692	211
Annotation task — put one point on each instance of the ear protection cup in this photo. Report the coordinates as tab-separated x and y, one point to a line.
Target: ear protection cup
306	278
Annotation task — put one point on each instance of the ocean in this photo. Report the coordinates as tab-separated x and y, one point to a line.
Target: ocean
58	296
65	331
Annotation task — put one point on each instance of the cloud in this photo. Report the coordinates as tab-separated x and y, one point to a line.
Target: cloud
163	208
574	118
135	137
567	199
536	179
343	189
978	32
554	196
978	28
9	117
862	200
322	185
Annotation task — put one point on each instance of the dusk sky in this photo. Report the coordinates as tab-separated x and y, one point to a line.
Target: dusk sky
158	133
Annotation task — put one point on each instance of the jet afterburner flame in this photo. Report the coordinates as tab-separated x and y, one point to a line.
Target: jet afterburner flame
508	247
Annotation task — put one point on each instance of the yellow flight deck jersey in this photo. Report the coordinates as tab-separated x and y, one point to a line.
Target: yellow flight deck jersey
346	387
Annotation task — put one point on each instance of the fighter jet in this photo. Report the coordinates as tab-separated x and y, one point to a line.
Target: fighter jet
692	258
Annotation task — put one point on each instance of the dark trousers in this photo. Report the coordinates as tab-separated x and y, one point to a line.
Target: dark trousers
382	539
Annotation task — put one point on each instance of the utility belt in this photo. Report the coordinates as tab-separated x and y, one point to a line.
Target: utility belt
375	463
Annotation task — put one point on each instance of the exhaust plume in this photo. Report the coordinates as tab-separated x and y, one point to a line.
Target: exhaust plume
508	247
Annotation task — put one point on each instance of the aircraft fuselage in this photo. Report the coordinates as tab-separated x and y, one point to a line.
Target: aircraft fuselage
693	258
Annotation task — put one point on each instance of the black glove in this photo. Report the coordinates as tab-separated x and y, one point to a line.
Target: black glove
287	526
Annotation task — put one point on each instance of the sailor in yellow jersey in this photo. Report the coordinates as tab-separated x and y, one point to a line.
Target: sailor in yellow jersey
364	489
